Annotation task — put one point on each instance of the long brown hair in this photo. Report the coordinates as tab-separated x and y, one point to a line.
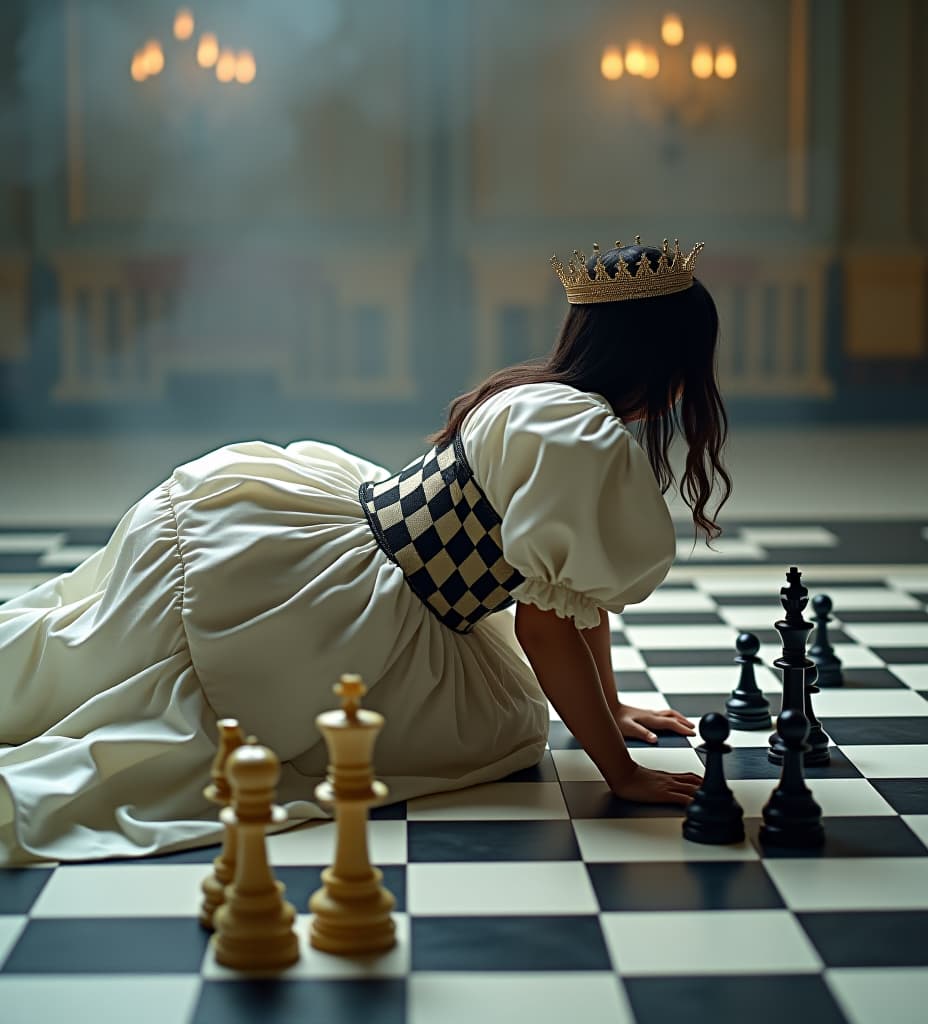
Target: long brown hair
638	354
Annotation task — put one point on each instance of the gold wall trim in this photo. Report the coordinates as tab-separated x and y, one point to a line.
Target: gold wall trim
798	111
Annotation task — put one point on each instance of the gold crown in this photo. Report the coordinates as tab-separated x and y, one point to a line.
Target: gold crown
674	273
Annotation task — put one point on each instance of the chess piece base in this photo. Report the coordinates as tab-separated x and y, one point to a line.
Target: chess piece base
714	833
352	918
250	935
802	837
810	759
748	719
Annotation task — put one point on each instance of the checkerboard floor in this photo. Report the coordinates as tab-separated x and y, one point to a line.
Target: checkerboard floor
542	897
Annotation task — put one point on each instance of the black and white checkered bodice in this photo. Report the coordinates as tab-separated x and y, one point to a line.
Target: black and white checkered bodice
435	523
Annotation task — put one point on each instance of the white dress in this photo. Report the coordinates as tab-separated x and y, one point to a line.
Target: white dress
245	584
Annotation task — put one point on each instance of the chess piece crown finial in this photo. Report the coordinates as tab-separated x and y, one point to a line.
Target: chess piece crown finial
350	687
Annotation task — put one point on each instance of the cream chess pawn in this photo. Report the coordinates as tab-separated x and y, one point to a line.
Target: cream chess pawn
254	926
352	910
219	792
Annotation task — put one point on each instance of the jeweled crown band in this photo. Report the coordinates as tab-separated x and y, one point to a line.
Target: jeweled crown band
674	273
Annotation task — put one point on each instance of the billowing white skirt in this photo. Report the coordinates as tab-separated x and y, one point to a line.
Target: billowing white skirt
242	587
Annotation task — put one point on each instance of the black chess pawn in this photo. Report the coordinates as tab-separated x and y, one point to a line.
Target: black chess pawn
714	816
747	707
821	652
791	815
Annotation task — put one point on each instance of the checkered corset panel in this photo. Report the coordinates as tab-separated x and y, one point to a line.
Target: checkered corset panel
435	523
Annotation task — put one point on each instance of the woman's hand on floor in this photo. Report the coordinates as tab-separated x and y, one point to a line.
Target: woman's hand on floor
639	723
649	786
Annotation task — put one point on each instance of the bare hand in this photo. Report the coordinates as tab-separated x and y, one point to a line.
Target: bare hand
637	723
649	786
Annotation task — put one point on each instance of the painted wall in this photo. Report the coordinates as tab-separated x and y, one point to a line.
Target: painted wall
363	231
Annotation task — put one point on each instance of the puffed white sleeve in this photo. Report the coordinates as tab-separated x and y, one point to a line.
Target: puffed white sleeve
583	519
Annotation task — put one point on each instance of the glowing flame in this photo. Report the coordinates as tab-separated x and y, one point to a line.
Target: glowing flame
138	68
636	59
184	23
702	63
153	56
726	63
612	66
208	50
672	29
652	63
245	67
225	66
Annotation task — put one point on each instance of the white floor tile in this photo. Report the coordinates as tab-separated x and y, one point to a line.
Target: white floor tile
537	887
519	801
836	797
889	634
626	659
851	655
10	927
864	599
882	994
672	600
915	676
790	536
576	766
313	963
649	840
681	637
851	883
116	890
12	584
918	823
504	998
650	699
709	942
710	679
26	543
725	548
844	703
315	844
110	999
64	557
748	618
890	761
761	579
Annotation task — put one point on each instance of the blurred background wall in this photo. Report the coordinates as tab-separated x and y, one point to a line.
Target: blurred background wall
284	217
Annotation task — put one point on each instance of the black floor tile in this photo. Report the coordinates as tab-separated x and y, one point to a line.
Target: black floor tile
696	885
885	938
759	999
389	812
595	800
907	796
902	655
201	855
556	943
20	888
869	679
877	836
898	729
633	681
444	841
884	615
285	1001
96	945
544	771
752	763
23	562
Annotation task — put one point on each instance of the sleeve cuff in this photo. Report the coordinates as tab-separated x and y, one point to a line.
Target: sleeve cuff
567	603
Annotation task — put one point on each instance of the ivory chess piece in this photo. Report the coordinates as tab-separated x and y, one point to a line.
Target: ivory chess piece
254	926
219	792
351	911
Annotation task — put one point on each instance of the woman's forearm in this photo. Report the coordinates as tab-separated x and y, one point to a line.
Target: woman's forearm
568	675
599	641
